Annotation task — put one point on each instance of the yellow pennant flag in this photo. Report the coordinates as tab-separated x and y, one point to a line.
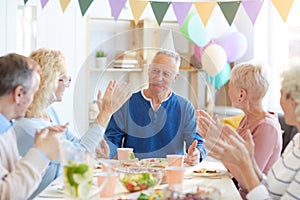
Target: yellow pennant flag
137	8
204	10
283	7
64	4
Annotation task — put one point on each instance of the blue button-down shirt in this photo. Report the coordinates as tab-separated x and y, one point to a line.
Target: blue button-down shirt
5	124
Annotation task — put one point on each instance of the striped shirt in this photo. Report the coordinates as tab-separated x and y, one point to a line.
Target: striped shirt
284	177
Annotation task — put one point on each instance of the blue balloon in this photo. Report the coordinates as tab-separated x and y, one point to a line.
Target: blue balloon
197	32
221	78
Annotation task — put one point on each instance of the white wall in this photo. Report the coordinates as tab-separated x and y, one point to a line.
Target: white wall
66	32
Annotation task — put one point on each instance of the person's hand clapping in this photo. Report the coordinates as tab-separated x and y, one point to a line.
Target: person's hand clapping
48	140
114	97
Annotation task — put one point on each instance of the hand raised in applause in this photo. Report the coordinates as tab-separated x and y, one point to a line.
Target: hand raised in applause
114	97
48	140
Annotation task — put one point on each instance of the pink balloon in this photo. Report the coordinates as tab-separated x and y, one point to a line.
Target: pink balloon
199	50
234	44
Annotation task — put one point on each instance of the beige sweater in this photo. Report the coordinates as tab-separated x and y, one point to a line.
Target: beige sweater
18	177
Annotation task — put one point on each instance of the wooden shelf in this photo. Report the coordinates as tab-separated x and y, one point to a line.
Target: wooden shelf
137	69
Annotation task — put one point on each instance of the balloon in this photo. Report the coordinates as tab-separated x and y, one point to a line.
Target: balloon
234	44
184	27
213	59
198	50
197	32
221	78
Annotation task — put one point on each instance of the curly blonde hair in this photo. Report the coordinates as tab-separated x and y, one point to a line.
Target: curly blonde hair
290	84
252	78
53	65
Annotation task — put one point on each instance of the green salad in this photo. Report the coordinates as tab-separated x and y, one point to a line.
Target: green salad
137	182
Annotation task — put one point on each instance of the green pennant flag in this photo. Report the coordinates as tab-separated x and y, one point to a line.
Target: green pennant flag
229	9
84	5
25	1
159	10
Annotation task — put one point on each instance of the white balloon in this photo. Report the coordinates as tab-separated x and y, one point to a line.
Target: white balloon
213	59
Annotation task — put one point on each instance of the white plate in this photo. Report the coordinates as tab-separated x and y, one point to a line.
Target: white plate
154	162
209	172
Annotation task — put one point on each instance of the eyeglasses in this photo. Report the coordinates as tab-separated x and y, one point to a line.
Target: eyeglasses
65	79
156	69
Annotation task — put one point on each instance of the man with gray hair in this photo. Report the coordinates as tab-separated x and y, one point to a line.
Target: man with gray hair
155	121
19	80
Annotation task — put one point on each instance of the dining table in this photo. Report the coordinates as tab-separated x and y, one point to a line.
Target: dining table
223	182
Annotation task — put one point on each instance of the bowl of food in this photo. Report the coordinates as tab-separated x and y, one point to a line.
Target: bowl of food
137	179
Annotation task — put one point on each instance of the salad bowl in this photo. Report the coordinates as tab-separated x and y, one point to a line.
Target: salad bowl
137	179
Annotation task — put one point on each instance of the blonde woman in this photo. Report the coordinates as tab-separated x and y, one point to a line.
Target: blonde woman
283	179
247	88
40	114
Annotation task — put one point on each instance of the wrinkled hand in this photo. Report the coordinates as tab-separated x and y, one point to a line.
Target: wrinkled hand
102	151
114	97
202	129
48	140
232	149
193	155
212	132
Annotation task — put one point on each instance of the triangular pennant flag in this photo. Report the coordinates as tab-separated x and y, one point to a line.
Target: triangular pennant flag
137	8
229	9
116	6
283	7
64	4
44	2
168	43
84	5
25	1
181	9
159	10
252	8
204	10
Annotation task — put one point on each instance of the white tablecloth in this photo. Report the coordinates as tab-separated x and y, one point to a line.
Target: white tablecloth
223	183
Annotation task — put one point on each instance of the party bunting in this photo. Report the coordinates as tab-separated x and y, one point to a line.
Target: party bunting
64	4
137	8
229	9
252	8
116	6
44	2
204	10
283	7
84	5
181	9
159	10
168	43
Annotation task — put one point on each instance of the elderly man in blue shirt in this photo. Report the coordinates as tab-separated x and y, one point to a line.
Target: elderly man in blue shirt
156	121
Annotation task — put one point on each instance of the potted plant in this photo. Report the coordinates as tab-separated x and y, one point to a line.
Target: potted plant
100	59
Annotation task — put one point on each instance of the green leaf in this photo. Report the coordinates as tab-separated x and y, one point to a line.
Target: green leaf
81	169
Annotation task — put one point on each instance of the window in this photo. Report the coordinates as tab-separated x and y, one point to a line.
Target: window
26	29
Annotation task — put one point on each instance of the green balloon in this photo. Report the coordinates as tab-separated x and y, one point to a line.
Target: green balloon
184	27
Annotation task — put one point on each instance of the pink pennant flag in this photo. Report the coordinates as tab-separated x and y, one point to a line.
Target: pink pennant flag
44	2
116	6
252	8
181	9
